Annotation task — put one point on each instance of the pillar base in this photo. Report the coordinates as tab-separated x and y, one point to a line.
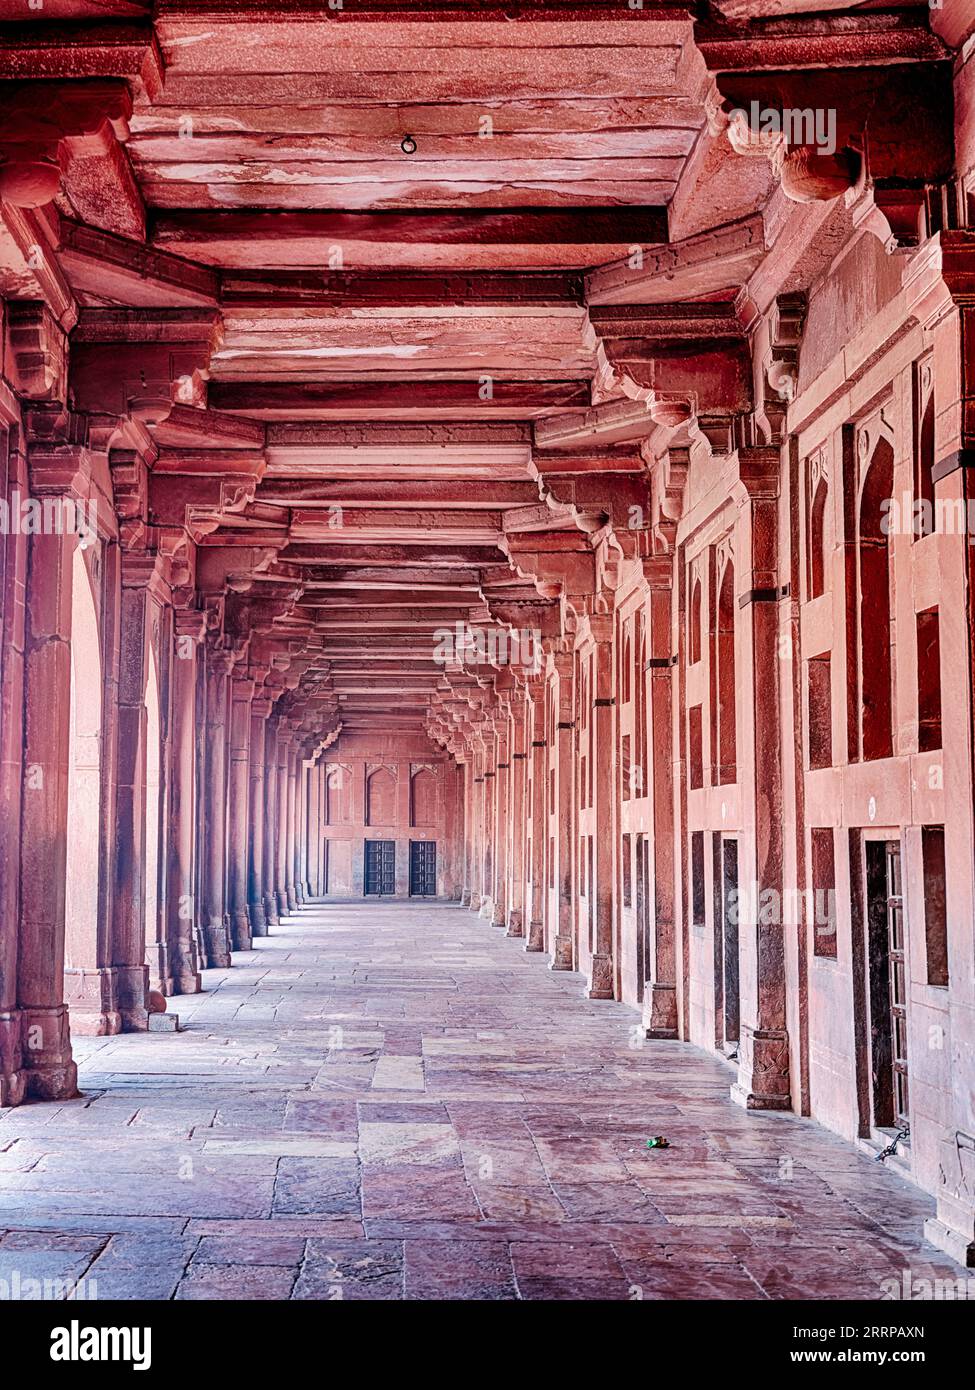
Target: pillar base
257	919
516	925
190	983
535	939
474	902
952	1229
49	1069
562	954
270	910
92	998
282	901
600	984
13	1082
217	944
763	1077
959	1246
660	1010
133	997
486	909
465	898
497	915
13	1088
241	926
160	971
292	900
300	894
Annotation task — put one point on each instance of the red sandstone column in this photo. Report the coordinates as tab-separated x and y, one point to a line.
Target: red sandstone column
216	922
468	793
488	824
181	905
13	548
564	753
313	835
763	1076
660	989
49	1068
501	819
281	849
242	692
477	824
129	935
301	828
162	949
601	979
537	794
260	709
952	1229
291	793
516	852
270	845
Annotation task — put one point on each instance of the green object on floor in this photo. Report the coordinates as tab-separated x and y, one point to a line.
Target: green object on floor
658	1142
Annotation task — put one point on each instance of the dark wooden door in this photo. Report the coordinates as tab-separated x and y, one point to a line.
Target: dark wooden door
897	946
729	914
887	942
423	868
381	867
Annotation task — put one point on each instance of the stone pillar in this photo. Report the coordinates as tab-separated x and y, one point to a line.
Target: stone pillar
13	548
48	1067
517	794
952	1229
290	837
216	920
660	989
502	813
565	753
260	709
477	824
313	837
181	906
162	948
536	885
138	612
488	826
468	792
241	695
269	859
301	828
763	1076
602	969
281	851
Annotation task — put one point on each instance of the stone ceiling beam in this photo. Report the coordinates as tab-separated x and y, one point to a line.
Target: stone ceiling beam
374	401
552	238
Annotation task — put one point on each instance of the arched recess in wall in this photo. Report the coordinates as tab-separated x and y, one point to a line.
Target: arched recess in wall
338	795
727	701
924	455
153	730
876	696
695	621
381	797
817	538
423	798
84	775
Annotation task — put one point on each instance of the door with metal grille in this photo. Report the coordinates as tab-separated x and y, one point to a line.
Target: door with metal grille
423	868
897	951
887	983
381	867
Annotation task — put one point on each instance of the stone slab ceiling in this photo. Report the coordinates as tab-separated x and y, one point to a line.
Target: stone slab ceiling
401	217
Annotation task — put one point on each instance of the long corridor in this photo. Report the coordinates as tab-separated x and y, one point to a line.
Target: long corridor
389	1101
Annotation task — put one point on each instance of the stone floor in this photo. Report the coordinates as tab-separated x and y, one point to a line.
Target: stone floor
389	1101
